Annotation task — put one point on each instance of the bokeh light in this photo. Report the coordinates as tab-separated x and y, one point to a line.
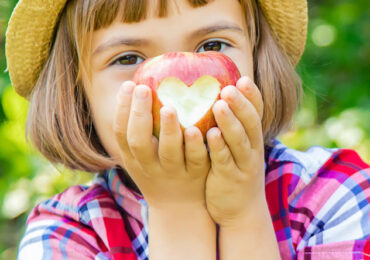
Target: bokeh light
324	35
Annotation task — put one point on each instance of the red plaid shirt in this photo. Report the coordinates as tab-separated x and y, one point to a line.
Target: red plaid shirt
318	201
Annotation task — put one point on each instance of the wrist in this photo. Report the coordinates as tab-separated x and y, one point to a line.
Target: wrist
258	212
179	210
250	235
176	206
175	229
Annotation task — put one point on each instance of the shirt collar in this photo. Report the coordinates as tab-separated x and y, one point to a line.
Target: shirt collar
129	200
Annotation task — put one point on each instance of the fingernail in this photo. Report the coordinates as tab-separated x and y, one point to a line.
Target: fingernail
141	93
228	92
215	132
166	112
221	106
128	88
191	131
233	93
244	82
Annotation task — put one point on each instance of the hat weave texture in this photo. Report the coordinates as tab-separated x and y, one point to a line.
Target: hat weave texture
28	40
31	27
288	20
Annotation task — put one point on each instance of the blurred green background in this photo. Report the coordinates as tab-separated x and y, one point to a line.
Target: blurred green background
335	111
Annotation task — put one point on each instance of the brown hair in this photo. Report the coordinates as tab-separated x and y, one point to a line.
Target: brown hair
59	120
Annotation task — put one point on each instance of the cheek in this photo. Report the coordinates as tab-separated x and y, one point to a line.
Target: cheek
243	59
102	100
103	116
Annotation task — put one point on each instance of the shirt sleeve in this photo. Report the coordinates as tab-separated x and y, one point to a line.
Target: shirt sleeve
332	213
79	223
54	230
55	237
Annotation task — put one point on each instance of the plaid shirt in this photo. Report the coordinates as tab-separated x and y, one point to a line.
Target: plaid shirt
318	201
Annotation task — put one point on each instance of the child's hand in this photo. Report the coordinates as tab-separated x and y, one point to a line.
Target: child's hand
166	173
235	184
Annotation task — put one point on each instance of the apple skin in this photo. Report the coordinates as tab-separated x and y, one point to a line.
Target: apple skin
188	67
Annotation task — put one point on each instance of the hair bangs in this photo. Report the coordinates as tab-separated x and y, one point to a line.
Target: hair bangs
104	12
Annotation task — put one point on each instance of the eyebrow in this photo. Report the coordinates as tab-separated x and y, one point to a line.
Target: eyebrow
120	41
114	42
220	26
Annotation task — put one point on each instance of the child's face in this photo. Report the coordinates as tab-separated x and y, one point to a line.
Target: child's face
118	50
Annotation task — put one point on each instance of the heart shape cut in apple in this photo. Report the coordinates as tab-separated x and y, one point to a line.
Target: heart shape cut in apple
189	82
192	103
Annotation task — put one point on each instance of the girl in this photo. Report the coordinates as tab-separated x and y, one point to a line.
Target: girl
247	197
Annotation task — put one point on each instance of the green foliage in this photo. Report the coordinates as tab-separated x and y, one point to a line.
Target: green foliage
335	69
335	111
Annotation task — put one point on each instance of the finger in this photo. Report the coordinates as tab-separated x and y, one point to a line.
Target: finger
246	113
140	128
233	133
250	90
222	161
170	150
196	154
122	113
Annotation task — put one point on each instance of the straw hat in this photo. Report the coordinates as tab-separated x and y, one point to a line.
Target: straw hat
31	27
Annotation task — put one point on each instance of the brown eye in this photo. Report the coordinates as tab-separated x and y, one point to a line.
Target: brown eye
128	60
213	46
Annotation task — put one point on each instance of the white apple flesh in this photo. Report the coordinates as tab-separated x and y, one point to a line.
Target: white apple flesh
191	103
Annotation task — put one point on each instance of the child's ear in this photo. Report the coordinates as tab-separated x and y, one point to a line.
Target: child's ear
250	90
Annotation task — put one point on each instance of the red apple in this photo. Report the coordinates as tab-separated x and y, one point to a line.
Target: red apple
189	82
